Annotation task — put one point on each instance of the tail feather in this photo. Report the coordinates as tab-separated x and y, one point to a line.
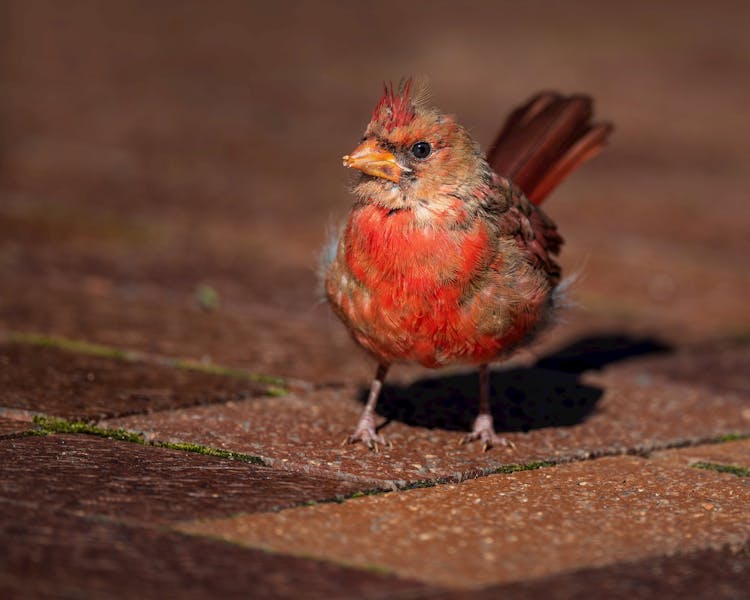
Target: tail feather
521	117
545	140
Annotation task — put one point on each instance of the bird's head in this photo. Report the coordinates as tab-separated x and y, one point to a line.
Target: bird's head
414	157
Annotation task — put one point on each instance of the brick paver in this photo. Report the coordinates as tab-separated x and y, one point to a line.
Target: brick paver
56	554
573	417
94	476
12	427
84	387
510	527
729	453
706	574
263	338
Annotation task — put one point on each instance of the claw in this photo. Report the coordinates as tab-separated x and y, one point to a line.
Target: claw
368	437
489	439
484	431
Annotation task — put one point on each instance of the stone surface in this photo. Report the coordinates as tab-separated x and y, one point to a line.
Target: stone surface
514	527
728	453
12	427
723	365
267	339
550	415
703	575
308	344
57	554
80	386
123	480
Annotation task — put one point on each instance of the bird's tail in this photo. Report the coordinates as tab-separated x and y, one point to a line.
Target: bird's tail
545	140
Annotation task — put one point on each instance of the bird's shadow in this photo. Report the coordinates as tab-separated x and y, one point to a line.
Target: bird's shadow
548	394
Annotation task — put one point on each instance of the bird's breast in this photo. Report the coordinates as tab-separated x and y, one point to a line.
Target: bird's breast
402	287
394	249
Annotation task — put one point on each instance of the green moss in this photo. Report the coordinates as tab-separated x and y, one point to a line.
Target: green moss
732	437
375	568
363	494
275	386
502	470
34	432
47	425
515	468
68	345
423	483
207	297
731	469
208	451
275	390
52	425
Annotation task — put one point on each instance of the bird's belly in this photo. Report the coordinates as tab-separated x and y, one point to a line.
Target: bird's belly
396	323
432	331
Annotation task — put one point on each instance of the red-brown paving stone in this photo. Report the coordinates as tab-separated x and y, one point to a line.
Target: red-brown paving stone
702	575
80	386
51	554
306	343
550	415
12	427
124	480
719	365
735	453
506	528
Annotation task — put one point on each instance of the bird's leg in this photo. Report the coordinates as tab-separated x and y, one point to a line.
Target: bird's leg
484	429
365	431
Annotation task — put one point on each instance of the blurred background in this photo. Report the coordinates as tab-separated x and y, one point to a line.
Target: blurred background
168	170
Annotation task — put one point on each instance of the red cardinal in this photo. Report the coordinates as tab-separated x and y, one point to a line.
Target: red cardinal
446	257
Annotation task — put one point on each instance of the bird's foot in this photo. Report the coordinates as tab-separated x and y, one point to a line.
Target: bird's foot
365	433
484	431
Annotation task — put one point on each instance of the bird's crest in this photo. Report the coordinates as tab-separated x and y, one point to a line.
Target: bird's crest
395	109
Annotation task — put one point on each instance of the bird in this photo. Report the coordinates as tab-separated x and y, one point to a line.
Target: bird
446	256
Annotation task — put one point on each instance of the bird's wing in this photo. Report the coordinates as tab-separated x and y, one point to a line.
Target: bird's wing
533	230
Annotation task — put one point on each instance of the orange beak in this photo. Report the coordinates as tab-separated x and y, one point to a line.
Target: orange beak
370	158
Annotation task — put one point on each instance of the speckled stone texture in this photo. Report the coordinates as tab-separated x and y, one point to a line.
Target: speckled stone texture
703	575
13	427
79	386
729	453
89	475
306	342
510	527
58	554
568	416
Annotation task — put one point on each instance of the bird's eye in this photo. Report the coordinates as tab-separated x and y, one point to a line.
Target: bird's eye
421	149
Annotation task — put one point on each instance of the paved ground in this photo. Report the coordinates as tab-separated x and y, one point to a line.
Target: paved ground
173	394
